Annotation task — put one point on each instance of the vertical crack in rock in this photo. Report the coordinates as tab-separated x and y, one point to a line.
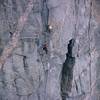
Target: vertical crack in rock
76	86
45	15
67	71
45	38
89	37
45	19
25	65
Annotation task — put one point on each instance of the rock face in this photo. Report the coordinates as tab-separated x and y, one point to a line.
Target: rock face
34	70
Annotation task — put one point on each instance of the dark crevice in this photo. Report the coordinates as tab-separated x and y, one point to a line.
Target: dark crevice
25	62
25	65
67	71
1	46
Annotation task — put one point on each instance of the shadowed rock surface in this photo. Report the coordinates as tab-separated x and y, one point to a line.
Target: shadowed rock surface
67	72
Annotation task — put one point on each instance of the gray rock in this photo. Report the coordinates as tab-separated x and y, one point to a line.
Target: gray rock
38	76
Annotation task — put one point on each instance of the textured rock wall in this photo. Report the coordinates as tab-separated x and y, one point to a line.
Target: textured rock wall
31	74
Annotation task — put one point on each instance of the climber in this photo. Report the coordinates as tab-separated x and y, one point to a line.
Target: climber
24	57
11	34
67	72
45	48
49	28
